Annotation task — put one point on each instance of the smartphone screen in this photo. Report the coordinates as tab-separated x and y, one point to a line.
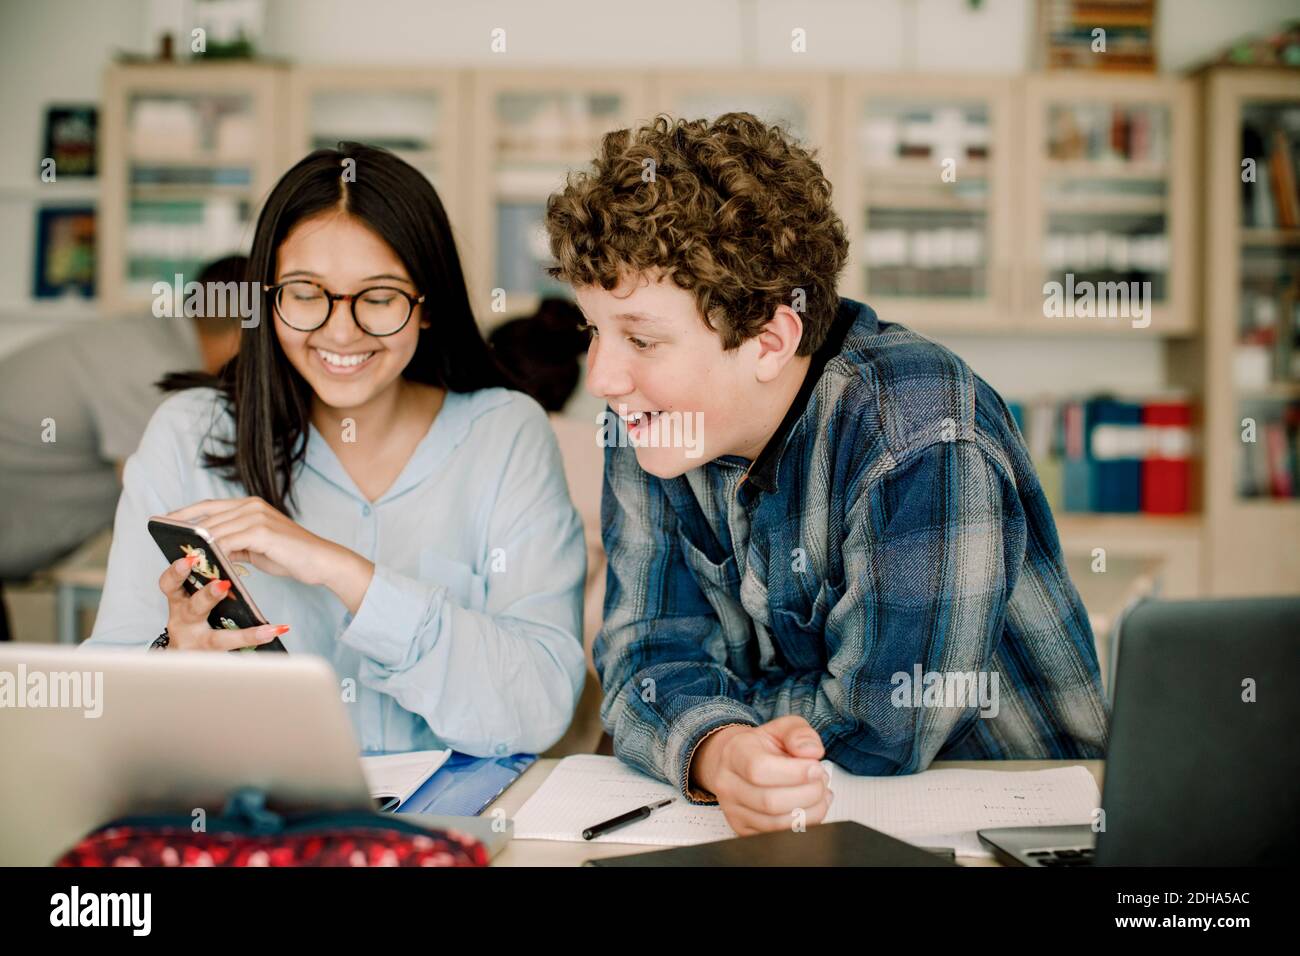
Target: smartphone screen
236	610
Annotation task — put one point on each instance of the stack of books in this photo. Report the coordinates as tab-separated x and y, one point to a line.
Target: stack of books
1068	30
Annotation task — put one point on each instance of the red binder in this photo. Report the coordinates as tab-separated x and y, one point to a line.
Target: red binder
1167	470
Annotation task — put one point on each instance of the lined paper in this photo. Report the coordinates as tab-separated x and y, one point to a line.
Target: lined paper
933	808
946	807
587	789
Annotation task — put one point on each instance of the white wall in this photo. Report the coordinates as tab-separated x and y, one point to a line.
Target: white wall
56	50
877	35
1021	366
51	51
880	35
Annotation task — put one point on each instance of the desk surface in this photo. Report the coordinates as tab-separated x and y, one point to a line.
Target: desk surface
557	853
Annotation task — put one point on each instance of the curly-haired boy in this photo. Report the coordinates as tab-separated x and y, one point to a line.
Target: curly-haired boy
825	535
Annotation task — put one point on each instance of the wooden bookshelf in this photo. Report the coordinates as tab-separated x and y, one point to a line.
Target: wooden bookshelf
216	216
1131	193
496	143
1253	542
1176	541
420	114
531	128
930	250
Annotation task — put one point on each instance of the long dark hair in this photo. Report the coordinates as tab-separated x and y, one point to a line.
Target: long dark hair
270	401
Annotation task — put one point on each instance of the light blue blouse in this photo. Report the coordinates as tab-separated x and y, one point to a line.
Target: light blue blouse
469	635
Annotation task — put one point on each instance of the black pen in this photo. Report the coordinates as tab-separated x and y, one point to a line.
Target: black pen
640	813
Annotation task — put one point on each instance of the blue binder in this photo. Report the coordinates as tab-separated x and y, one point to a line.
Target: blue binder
464	785
1116	477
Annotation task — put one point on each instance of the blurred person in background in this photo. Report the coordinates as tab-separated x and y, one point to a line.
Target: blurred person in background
73	406
541	353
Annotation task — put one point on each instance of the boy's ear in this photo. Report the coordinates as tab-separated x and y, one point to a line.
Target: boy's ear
777	342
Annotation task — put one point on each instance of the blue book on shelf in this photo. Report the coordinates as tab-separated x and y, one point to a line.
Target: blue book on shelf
1078	486
464	785
1018	413
1115	436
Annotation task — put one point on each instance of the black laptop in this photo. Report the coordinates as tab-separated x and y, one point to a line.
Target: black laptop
1203	762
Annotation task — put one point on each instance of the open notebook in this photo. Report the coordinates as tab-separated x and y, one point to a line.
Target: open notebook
931	809
392	778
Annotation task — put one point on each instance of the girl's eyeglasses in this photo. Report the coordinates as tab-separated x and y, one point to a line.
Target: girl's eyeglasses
378	311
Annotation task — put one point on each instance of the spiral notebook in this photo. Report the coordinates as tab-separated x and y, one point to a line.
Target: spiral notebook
393	778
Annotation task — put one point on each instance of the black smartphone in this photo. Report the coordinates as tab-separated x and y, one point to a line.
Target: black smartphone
176	539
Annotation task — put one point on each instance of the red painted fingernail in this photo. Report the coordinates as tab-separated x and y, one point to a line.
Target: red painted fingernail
222	587
281	629
191	560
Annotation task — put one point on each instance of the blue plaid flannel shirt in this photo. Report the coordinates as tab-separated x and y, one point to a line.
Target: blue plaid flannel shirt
894	520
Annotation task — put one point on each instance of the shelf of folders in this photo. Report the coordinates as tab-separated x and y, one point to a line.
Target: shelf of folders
1110	454
1266	372
1269	463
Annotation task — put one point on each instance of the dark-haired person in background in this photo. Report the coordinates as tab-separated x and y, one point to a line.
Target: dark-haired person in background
73	406
541	352
405	517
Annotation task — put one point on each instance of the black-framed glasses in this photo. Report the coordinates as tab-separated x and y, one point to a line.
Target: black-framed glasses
379	310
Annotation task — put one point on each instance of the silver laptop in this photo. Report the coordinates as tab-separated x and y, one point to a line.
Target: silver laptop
1202	766
87	736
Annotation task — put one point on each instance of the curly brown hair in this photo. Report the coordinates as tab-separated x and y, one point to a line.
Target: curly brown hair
733	211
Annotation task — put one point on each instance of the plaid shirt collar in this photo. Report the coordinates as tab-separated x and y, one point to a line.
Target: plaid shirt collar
763	473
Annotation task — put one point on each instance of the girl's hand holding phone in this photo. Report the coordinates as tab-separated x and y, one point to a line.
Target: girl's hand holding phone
250	530
187	614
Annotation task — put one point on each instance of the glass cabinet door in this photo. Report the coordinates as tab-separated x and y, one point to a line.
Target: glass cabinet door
1266	358
191	183
189	152
407	122
925	182
532	135
414	113
1108	222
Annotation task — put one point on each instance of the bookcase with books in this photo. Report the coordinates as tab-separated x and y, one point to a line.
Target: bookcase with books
1069	32
189	151
530	129
1109	212
1252	343
1105	244
963	195
925	188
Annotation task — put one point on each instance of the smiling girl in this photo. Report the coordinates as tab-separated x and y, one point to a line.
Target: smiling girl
404	515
